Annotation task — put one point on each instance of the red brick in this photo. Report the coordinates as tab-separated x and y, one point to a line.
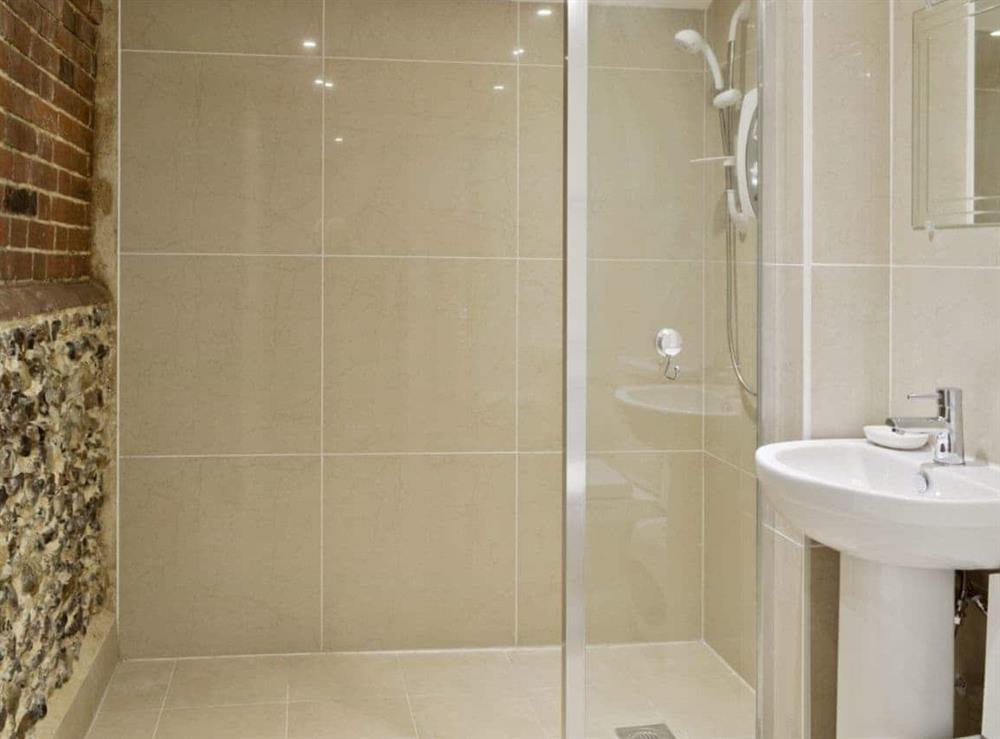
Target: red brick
68	100
74	187
43	176
69	158
15	266
38	264
4	231
6	164
18	232
19	135
72	239
41	236
70	212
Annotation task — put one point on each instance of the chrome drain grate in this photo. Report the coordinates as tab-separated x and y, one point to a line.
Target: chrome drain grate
652	731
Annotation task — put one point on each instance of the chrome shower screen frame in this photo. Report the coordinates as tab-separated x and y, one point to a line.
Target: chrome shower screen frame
575	369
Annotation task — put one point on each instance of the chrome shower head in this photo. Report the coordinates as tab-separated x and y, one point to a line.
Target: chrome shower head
691	41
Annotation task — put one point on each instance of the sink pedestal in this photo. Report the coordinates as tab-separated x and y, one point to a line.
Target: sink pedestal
895	675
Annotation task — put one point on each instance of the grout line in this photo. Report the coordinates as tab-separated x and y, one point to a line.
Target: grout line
892	164
163	703
409	702
807	214
729	464
517	315
322	338
288	704
444	257
300	455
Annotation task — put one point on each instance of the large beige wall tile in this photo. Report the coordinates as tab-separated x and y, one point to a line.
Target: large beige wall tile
419	355
220	154
730	412
943	336
419	551
427	159
623	36
643	547
850	349
540	356
851	132
730	565
628	303
781	636
961	246
470	30
781	362
646	199
219	556
540	31
539	543
220	355
540	177
258	27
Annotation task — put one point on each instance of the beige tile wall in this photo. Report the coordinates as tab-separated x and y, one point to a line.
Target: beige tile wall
878	289
341	335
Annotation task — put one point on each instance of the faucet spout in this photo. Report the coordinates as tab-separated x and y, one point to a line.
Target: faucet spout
949	444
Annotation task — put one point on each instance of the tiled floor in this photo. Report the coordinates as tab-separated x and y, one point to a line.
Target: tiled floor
482	694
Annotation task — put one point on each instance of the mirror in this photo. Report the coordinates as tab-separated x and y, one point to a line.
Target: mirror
956	114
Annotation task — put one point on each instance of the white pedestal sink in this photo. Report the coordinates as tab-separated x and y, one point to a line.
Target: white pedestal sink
902	526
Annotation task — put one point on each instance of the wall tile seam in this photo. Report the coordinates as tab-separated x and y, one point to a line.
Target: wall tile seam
459	453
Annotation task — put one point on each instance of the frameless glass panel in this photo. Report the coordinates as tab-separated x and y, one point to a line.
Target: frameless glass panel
669	263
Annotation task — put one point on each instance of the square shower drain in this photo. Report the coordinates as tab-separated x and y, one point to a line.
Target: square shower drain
652	731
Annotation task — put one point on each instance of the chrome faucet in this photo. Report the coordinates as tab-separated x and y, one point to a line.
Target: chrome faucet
949	444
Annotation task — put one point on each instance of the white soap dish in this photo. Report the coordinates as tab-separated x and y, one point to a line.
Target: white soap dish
892	438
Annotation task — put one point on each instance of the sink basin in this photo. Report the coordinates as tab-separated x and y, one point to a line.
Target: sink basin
902	525
886	506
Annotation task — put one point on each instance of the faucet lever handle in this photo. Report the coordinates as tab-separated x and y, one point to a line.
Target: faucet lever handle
924	396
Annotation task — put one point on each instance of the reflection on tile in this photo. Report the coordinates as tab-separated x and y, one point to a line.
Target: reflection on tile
850	319
625	36
539	356
260	27
730	565
138	685
540	177
540	554
370	717
540	34
421	159
643	547
437	535
224	722
219	556
220	153
419	355
220	355
949	307
630	406
635	209
471	30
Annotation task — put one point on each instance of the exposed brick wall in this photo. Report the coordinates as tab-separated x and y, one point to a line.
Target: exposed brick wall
47	78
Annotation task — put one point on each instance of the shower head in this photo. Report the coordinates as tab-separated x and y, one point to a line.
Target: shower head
692	42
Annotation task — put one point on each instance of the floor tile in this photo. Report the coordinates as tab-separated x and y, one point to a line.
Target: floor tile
482	715
265	721
438	673
328	677
377	717
228	681
138	685
124	725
